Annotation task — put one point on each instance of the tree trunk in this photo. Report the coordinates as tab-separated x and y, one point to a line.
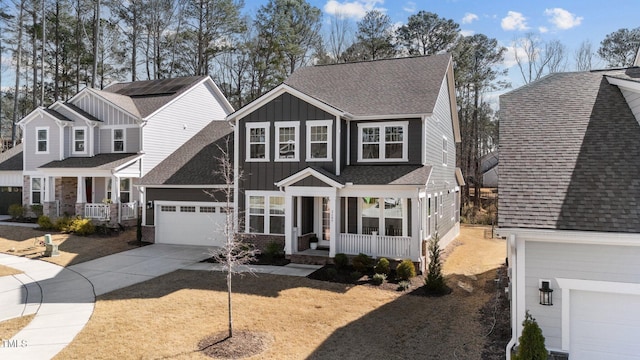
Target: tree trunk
56	75
96	35
229	301
17	84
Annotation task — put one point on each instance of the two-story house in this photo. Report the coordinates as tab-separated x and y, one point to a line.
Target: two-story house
84	156
360	155
569	205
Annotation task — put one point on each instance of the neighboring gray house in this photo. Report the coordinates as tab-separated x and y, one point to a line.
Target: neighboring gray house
185	194
360	155
10	178
83	156
569	206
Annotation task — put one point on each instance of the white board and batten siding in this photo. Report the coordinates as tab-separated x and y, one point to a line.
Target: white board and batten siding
173	125
551	261
104	110
11	178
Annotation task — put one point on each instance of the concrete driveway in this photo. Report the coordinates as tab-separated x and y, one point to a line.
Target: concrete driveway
134	266
63	298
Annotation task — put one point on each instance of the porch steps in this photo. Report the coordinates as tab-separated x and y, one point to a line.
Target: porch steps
311	257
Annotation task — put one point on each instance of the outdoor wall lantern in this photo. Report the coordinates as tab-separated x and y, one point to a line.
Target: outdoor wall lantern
546	293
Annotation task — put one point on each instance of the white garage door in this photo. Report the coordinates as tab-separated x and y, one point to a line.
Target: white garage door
604	326
189	223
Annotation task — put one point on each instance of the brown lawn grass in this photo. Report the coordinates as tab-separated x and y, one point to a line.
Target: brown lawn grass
22	241
6	270
471	253
166	317
9	328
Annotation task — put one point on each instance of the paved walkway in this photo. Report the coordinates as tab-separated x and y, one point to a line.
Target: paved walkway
4	218
63	298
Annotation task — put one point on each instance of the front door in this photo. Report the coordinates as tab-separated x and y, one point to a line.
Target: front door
325	222
88	187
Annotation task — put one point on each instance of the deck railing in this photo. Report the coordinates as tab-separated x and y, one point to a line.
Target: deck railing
128	210
396	247
97	211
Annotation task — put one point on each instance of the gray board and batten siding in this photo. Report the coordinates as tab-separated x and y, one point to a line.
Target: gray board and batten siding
263	175
414	144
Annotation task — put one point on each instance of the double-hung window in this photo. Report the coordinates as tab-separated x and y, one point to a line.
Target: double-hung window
287	148
257	141
319	140
37	190
382	141
117	136
42	138
79	140
266	214
125	190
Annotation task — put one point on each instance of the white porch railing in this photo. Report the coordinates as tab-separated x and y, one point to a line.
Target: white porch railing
128	210
396	247
97	211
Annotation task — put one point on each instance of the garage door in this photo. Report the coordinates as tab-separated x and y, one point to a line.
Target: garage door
9	195
604	326
189	223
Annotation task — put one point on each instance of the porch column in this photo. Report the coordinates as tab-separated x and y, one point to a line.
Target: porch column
290	244
50	189
115	189
416	240
81	194
334	216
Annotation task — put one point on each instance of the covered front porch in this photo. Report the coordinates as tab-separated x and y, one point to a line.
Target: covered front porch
98	188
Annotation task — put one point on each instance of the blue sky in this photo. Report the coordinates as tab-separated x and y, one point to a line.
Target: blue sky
570	21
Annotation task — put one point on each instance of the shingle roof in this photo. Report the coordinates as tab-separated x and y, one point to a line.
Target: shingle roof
99	162
194	162
150	95
11	160
569	155
394	86
385	174
81	112
56	115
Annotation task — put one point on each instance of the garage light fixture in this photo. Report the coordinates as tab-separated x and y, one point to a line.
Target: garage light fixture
546	294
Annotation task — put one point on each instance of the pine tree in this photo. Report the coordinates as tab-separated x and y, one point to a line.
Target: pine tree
531	342
434	283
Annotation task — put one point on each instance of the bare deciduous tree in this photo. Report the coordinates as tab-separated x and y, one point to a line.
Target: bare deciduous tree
584	56
536	58
235	252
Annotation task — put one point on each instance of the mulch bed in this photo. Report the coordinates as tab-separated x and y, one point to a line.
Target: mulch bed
495	317
243	344
346	276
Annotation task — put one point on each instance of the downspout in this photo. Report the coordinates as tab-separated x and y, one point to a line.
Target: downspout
514	311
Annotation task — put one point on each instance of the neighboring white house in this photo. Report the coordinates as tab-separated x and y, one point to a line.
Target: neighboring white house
84	156
569	206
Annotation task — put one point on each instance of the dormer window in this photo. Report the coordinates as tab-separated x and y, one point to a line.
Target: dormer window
42	138
118	140
257	141
287	141
79	140
382	141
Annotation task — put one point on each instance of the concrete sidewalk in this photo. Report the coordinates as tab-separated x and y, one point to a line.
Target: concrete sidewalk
301	270
4	218
62	300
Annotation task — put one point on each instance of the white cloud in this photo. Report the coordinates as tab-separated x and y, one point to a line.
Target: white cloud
467	32
510	55
543	29
563	19
514	21
409	7
469	18
352	9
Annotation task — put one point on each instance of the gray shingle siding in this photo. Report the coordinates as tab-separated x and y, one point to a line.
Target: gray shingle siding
569	156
